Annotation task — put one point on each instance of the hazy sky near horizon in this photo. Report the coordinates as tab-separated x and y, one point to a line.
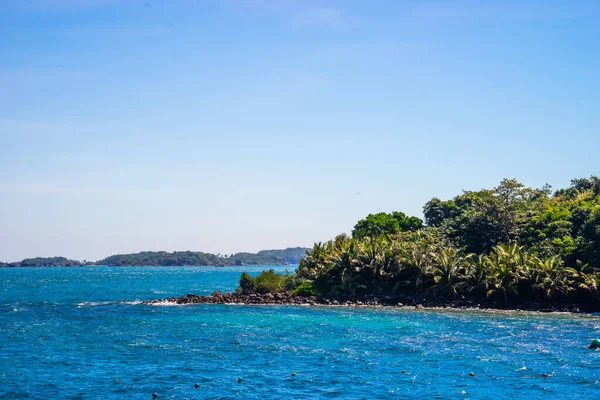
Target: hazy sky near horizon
239	125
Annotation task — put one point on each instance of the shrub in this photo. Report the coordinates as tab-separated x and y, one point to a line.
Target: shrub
247	284
305	289
269	282
266	282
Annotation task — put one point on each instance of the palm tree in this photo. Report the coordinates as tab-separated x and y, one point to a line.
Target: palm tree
417	263
478	274
374	259
514	255
343	259
552	277
504	274
392	267
589	281
448	271
314	264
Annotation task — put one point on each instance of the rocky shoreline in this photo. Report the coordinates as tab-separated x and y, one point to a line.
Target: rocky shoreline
287	298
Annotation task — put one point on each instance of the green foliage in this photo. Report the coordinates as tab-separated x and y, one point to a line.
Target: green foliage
247	284
386	224
44	262
266	282
306	289
291	255
163	258
437	211
269	282
509	243
407	223
480	220
375	225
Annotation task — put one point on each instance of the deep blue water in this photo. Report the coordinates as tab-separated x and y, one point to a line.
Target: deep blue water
82	333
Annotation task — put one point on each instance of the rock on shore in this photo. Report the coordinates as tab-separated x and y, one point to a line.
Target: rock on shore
284	298
288	298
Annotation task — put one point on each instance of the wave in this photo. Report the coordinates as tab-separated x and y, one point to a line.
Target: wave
167	303
107	303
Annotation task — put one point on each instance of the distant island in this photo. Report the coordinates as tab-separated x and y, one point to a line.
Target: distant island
510	247
291	255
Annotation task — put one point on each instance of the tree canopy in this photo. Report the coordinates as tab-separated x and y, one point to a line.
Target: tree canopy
386	224
163	258
290	255
511	244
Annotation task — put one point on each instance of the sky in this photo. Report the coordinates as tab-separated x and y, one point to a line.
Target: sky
241	125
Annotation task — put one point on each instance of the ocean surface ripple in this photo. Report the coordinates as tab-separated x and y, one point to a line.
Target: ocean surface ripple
82	333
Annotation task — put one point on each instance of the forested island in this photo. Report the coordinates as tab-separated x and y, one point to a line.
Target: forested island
507	247
46	262
290	255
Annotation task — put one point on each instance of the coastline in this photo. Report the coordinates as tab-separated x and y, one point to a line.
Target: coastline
287	298
287	256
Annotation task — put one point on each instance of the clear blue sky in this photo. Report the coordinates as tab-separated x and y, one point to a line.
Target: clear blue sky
238	125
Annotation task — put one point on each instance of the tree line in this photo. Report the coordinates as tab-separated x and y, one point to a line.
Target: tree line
510	244
290	255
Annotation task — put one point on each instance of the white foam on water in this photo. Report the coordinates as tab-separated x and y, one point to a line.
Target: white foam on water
164	303
106	303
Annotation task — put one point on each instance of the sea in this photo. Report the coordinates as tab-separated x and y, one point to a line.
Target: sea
84	333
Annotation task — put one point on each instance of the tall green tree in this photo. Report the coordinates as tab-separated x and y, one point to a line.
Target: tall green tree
386	224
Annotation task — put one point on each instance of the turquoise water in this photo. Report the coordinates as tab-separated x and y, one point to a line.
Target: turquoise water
81	333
